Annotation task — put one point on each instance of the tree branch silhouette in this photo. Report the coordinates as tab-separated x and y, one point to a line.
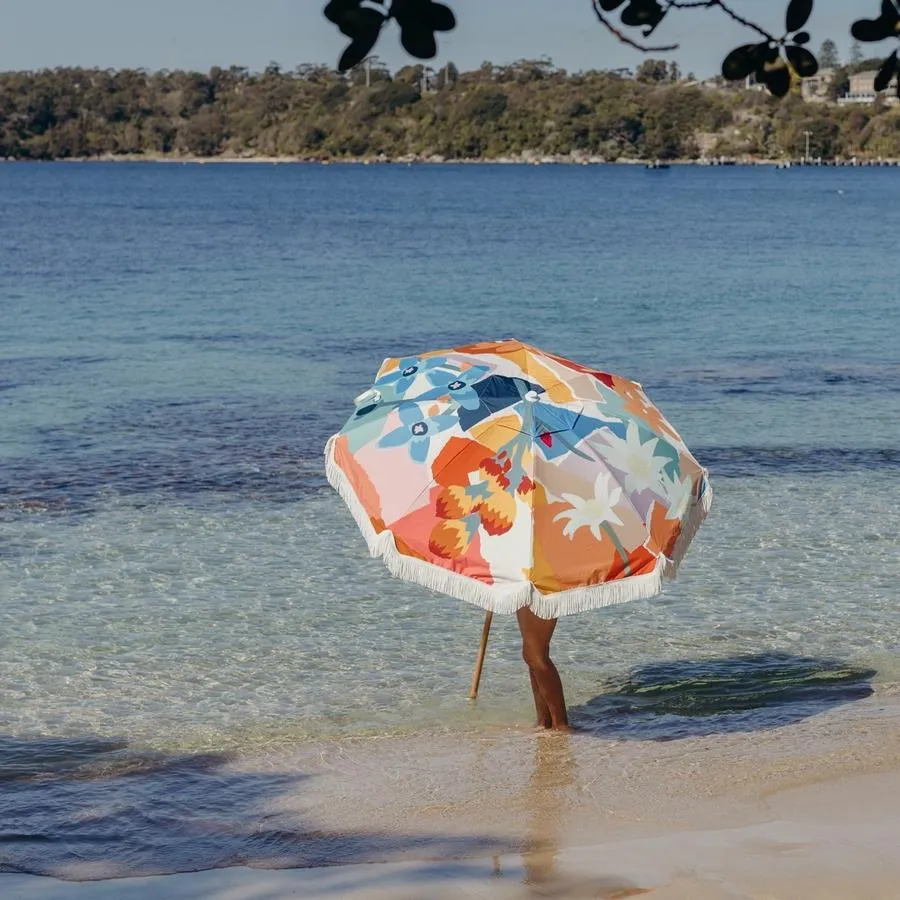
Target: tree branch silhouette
777	62
621	36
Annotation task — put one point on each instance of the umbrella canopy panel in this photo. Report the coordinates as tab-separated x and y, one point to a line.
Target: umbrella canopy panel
510	477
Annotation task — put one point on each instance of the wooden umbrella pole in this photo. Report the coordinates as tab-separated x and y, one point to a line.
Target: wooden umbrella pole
479	662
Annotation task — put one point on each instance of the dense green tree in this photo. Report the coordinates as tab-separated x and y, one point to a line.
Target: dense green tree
653	70
529	106
828	55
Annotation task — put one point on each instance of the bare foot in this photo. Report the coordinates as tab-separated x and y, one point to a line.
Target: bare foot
560	729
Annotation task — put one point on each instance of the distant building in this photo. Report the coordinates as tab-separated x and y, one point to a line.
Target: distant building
815	88
752	84
862	89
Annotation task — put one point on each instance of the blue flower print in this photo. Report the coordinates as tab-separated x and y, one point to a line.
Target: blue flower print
417	430
401	379
459	385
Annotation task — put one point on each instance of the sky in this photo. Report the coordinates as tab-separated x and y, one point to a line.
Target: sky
199	34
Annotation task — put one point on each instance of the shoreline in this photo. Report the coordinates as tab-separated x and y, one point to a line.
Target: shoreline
804	810
832	841
522	160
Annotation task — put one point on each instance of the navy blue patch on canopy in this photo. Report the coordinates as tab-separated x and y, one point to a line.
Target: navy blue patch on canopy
495	393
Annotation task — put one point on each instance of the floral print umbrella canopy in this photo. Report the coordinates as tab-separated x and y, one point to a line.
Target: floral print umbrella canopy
510	477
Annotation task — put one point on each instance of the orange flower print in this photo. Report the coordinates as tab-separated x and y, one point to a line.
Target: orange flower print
489	502
450	539
493	471
498	513
456	502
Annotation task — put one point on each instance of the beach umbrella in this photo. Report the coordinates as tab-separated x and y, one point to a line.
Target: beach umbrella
508	477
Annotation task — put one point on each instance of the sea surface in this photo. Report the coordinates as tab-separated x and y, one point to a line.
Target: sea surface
177	342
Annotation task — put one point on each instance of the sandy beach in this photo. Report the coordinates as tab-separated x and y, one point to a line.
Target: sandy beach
834	841
811	810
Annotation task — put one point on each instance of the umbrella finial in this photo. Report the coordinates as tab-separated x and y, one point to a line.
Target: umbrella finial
366	397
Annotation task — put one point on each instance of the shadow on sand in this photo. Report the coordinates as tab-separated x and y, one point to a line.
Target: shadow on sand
88	809
695	698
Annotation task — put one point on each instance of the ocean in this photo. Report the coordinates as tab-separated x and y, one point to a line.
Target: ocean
181	590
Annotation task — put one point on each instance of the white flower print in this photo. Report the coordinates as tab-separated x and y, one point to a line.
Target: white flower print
592	512
642	469
678	494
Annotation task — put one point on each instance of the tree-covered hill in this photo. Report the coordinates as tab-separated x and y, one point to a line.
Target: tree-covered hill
492	112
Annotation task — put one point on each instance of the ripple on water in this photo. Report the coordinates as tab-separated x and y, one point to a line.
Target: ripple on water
215	624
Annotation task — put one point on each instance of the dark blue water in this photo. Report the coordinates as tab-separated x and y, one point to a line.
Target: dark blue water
195	314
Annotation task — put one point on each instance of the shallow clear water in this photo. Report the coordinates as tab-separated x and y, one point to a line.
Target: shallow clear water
178	342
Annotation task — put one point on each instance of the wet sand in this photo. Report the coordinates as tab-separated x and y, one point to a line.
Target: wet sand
833	841
809	810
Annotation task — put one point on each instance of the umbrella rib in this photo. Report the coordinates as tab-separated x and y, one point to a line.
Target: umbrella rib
563	362
432	482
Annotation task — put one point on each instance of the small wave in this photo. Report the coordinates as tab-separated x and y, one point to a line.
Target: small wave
776	381
750	461
18	371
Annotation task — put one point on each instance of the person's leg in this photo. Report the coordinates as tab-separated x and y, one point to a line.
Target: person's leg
545	682
540	705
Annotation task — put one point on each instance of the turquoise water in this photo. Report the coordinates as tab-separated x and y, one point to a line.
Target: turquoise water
178	342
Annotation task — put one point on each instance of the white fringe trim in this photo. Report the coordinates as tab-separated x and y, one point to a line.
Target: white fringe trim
501	598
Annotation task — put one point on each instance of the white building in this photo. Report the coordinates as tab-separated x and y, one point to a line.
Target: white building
862	89
815	88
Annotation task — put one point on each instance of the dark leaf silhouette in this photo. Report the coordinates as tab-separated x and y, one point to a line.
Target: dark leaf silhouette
338	10
646	13
890	12
352	19
419	42
803	62
798	13
871	30
359	49
770	69
423	14
742	61
442	18
886	72
418	21
776	77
